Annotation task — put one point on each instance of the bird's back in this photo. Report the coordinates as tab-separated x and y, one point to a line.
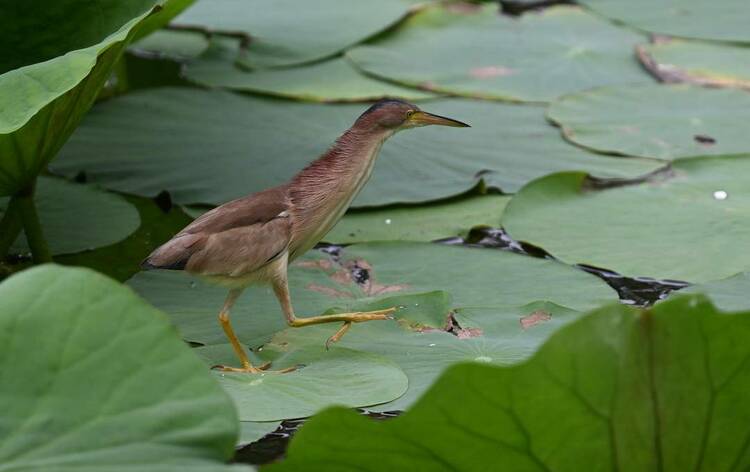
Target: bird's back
231	240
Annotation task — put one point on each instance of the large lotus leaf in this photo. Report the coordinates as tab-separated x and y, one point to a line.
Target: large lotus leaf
286	32
319	282
252	431
100	218
496	335
49	80
95	379
654	390
725	20
331	80
323	378
686	224
482	54
419	223
730	294
712	64
666	122
213	146
175	44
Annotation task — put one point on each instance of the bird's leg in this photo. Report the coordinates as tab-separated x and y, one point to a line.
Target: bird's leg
229	331
281	288
247	367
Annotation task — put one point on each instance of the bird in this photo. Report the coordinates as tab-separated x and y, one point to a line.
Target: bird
253	239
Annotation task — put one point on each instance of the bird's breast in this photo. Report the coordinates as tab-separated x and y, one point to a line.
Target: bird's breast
324	204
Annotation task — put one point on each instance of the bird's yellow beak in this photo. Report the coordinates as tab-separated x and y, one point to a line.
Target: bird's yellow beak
422	118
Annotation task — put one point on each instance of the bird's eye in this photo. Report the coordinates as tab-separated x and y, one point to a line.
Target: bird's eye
409	113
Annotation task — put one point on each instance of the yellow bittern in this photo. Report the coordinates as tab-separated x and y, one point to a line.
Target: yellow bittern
251	240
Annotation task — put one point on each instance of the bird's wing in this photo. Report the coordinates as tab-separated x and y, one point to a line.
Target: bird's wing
234	239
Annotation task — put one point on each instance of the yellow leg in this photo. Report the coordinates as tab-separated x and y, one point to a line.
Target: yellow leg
247	366
282	293
338	334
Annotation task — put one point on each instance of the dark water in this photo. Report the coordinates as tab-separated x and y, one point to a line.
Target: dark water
639	291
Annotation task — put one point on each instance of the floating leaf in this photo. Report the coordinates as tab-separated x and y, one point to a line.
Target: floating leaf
419	279
725	20
422	223
666	122
255	143
286	32
252	431
686	225
492	335
710	64
317	283
728	294
175	44
109	386
100	218
49	82
649	390
331	80
324	378
479	53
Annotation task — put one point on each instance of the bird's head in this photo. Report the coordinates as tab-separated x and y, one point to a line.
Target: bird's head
397	115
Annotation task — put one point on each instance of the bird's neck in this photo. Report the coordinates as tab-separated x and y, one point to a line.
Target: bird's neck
322	192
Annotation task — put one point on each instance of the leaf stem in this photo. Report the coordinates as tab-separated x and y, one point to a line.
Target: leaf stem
10	227
34	235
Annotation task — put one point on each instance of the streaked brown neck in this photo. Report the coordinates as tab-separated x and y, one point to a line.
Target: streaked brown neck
322	191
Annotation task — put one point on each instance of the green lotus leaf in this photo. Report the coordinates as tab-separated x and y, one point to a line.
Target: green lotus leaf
499	315
173	44
252	431
666	122
685	224
724	21
695	62
728	294
254	143
49	81
101	218
337	377
287	32
319	282
99	381
653	390
476	52
492	335
327	81
419	223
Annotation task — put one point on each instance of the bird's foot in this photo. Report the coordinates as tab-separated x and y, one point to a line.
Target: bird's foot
249	369
358	318
338	334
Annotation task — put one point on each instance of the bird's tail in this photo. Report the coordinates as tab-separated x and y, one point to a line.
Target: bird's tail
172	255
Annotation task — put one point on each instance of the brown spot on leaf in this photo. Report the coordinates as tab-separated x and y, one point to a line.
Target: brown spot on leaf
534	318
342	276
490	72
466	333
